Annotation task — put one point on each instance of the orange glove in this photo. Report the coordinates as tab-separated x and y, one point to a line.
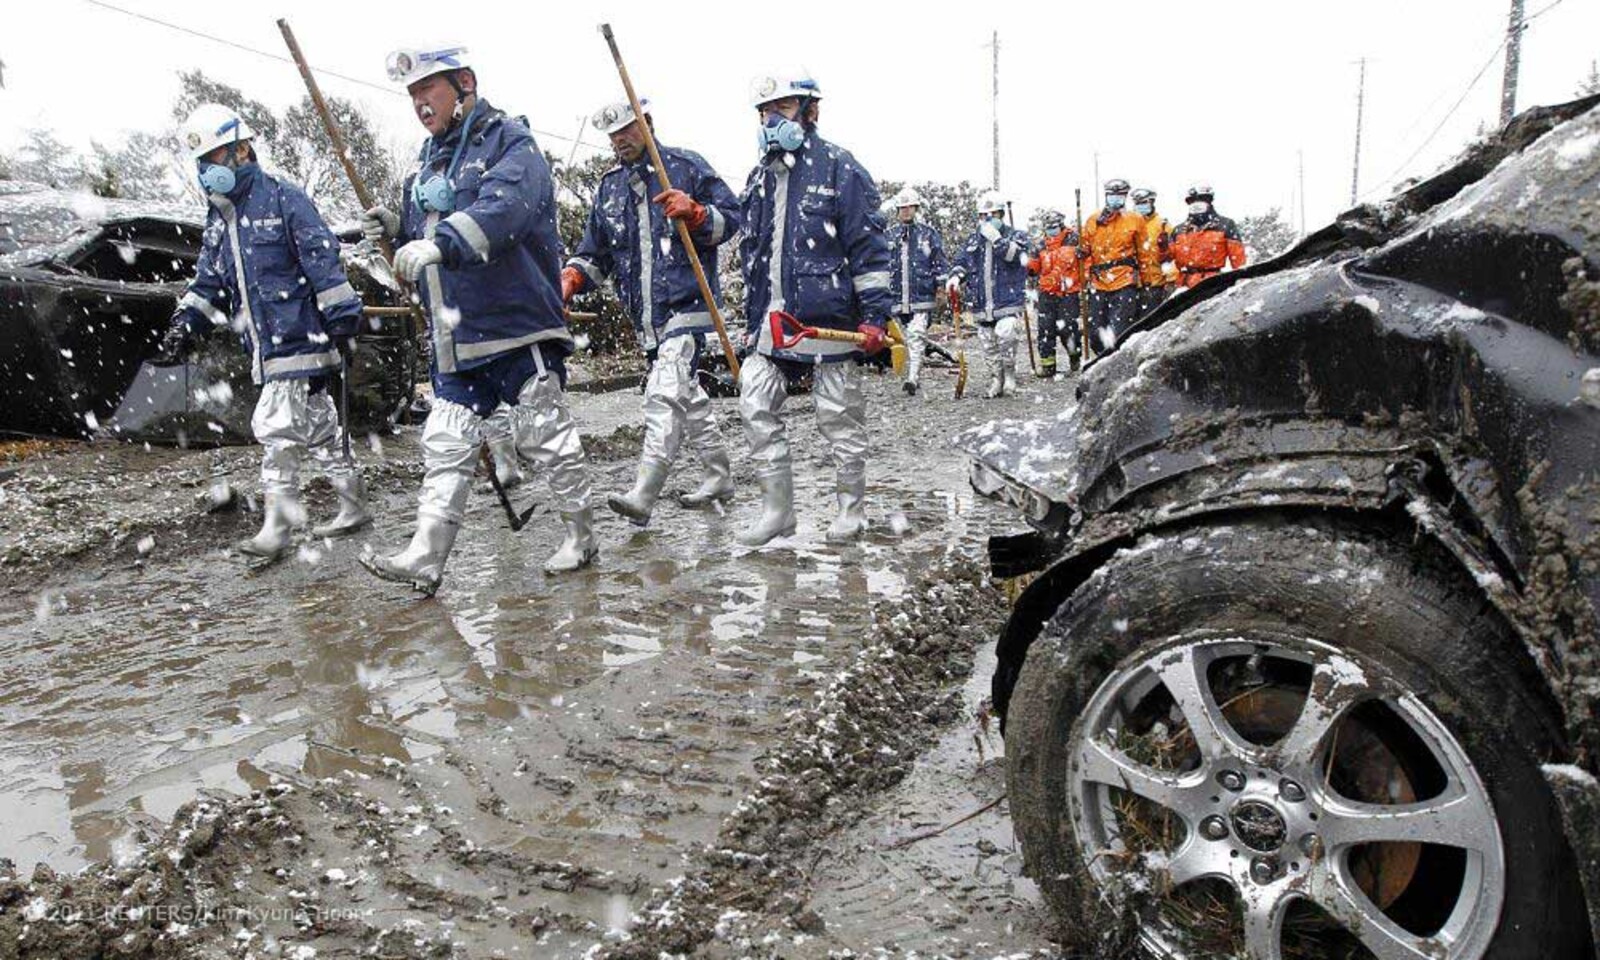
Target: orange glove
874	338
681	206
571	283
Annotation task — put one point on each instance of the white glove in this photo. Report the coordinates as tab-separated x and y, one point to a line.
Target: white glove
952	285
411	258
380	223
989	232
1012	249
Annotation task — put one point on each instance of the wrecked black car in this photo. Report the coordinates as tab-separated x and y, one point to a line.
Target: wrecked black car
1307	665
87	287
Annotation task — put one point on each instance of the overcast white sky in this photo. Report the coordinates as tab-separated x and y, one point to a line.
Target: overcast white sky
1166	92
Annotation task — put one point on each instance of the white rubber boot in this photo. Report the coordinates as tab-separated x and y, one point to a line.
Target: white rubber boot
851	522
353	514
777	511
717	485
578	549
280	513
421	563
637	504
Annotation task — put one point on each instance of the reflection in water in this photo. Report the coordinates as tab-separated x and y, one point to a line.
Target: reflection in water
647	684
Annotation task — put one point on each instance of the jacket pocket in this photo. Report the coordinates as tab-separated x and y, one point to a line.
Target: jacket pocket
822	289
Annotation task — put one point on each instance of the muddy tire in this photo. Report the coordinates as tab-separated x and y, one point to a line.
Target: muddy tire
1401	658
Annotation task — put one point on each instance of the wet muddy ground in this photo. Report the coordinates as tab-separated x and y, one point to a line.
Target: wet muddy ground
521	766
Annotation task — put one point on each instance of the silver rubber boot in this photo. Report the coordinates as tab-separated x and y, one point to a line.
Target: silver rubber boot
997	385
353	514
421	563
777	511
280	514
852	519
638	503
1009	370
717	485
578	549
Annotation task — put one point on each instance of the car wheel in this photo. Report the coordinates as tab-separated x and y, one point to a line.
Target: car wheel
1291	739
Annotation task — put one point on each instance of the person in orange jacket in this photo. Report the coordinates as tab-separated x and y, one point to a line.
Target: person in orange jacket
1157	286
1207	241
1117	253
1060	279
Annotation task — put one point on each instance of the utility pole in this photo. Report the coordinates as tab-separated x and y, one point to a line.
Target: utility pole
1361	102
994	44
1302	158
1508	87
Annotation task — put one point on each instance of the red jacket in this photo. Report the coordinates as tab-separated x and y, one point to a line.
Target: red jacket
1059	269
1202	246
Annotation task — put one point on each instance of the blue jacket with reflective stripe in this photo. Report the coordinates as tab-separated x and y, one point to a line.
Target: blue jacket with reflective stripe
266	238
614	247
498	288
917	255
994	274
814	245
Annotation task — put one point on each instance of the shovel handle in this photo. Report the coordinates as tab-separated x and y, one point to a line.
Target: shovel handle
787	331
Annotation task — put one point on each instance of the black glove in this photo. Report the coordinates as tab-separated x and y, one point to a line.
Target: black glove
175	346
347	349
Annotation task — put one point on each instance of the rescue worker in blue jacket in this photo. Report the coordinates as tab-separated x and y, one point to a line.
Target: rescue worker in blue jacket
813	247
479	241
919	268
630	238
269	268
995	259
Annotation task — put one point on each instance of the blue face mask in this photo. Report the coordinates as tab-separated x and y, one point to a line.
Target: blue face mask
1116	201
216	178
437	194
781	132
1145	209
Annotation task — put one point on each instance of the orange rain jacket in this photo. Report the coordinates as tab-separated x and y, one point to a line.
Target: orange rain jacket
1159	234
1202	246
1059	269
1116	250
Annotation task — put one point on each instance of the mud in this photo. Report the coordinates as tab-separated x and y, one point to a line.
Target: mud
516	766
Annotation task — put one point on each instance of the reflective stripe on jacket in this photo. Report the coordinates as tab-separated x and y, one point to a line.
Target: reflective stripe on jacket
917	254
1202	246
614	246
1117	250
267	239
814	246
499	286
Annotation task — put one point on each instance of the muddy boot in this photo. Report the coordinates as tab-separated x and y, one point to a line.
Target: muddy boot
852	519
717	485
280	512
638	503
353	514
777	511
507	468
1047	368
910	388
420	564
578	549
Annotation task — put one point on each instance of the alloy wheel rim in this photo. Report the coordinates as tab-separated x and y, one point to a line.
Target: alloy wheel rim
1268	819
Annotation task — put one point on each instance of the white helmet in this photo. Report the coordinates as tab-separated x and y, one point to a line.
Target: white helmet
991	200
786	83
408	66
210	126
614	116
907	197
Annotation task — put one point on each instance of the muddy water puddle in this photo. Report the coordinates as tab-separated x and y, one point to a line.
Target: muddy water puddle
607	720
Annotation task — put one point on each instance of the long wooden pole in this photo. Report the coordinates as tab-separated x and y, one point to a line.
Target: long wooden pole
363	196
666	184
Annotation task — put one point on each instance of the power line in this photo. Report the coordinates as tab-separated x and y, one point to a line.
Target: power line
1471	85
283	59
